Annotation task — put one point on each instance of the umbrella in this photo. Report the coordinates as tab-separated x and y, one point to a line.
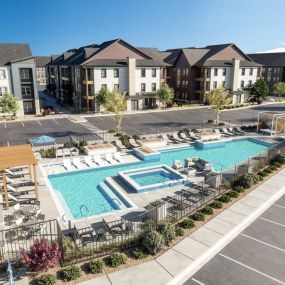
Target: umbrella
42	140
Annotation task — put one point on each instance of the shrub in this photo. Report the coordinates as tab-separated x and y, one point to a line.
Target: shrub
116	259
139	253
136	137
198	216
71	272
238	189
168	232
216	205
179	231
49	153
207	210
262	173
224	199
150	225
42	255
280	158
221	124
153	241
267	170
46	279
210	121
232	194
112	131
277	164
260	178
96	266
246	180
187	224
156	203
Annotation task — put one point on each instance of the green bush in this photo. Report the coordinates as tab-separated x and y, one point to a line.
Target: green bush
262	173
198	216
112	131
224	199
238	189
179	231
221	124
136	137
267	170
232	194
49	153
46	279
207	210
210	121
153	241
277	164
246	180
216	205
280	158
139	253
96	266
168	232
187	224
260	177
71	272
116	259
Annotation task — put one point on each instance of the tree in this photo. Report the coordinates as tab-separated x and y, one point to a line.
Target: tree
116	103
102	96
259	90
9	104
279	88
165	94
218	99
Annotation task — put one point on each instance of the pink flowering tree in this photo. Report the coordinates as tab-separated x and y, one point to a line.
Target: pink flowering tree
42	255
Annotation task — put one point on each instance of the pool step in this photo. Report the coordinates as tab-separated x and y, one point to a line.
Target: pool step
111	195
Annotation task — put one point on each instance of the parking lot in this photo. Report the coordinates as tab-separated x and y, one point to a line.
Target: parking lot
255	257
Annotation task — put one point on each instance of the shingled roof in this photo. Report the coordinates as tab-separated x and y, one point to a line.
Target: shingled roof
269	59
12	52
42	61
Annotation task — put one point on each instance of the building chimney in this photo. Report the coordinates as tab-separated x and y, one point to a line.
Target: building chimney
131	76
235	74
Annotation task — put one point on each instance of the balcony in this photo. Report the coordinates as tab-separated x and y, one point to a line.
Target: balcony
205	78
89	81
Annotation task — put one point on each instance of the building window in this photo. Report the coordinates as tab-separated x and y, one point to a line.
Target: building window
116	72
146	101
243	71
103	73
249	83
153	72
258	72
178	71
104	86
224	71
215	84
251	71
142	87
153	87
116	86
3	91
178	83
2	74
242	84
25	74
143	72
215	71
186	71
26	91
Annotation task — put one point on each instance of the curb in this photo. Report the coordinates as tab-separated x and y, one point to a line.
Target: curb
209	254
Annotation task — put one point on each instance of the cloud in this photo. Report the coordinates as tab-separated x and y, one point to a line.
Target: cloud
279	49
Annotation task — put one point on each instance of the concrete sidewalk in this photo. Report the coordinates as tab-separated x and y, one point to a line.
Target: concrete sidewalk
180	262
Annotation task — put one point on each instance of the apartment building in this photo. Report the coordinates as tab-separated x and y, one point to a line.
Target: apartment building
197	71
77	75
18	76
273	69
41	72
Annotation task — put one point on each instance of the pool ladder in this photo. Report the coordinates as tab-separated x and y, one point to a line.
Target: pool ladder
83	206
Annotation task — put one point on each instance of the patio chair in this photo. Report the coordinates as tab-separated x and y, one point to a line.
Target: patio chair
19	221
59	153
67	164
118	157
165	137
114	224
193	136
99	161
77	163
120	145
184	137
175	137
226	132
177	165
239	130
109	158
217	131
232	131
66	152
133	143
74	151
88	161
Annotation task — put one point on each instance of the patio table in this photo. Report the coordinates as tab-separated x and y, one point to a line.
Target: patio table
27	210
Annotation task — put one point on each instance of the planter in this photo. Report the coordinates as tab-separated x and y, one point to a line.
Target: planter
153	155
99	149
153	142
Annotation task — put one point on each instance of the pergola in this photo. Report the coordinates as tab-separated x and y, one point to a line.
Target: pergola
271	122
16	156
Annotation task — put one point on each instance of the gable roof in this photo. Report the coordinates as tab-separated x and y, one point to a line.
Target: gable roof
42	61
269	59
13	52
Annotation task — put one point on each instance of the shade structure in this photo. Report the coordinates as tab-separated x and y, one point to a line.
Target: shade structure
42	140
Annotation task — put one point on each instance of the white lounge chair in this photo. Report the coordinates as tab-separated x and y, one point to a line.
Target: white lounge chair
165	137
177	165
118	157
133	143
77	163
19	221
66	152
226	132
239	130
184	137
175	137
67	164
110	159
120	145
88	161
74	151
232	131
99	161
59	153
193	136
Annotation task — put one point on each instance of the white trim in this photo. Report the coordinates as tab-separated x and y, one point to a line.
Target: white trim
270	221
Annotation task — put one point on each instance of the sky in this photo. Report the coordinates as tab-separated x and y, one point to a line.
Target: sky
53	26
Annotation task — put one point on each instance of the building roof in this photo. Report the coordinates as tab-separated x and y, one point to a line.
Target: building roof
269	59
42	61
18	155
225	63
13	52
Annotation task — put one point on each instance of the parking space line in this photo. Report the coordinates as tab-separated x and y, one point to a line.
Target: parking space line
39	123
197	281
253	269
55	121
5	125
279	206
265	243
281	225
139	131
22	123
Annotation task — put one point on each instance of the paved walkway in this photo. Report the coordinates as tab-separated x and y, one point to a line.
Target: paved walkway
179	263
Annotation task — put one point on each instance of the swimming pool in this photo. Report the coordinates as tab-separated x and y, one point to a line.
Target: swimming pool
82	187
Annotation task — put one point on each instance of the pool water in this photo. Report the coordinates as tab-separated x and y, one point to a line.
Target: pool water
82	187
154	177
